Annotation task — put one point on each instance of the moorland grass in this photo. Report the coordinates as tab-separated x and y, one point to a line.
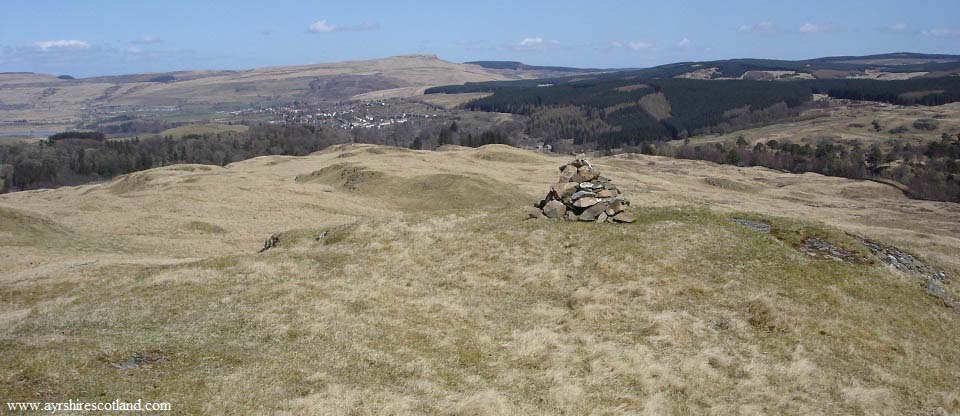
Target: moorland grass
682	312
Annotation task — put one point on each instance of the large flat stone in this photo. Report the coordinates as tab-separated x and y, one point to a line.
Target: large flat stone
592	213
624	217
585	202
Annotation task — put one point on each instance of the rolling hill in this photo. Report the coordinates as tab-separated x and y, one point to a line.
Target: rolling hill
39	102
411	282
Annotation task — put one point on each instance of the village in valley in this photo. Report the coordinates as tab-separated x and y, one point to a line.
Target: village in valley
345	115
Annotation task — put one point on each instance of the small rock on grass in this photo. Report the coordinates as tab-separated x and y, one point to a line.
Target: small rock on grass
271	242
754	225
624	217
532	214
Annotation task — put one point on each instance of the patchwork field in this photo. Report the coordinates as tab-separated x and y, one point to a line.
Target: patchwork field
412	282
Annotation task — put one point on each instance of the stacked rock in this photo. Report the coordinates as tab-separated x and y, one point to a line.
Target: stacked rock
582	194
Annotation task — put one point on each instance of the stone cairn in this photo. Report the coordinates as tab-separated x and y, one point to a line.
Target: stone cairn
582	194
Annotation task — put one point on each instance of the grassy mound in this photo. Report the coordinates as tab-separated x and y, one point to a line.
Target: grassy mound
382	150
728	184
502	153
21	229
343	175
682	312
132	182
202	227
451	148
157	178
418	193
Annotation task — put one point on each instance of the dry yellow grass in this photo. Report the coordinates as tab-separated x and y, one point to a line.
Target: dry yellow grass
656	105
205	128
430	293
452	100
853	122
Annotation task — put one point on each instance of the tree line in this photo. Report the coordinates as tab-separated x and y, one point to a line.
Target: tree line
77	157
73	158
930	171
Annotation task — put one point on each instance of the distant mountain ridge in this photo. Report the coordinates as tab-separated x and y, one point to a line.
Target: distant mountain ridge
520	66
895	55
891	66
888	66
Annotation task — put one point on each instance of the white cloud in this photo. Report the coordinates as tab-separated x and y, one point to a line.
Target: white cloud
896	27
942	33
685	43
134	50
46	45
531	42
616	44
810	28
639	46
321	26
146	40
762	27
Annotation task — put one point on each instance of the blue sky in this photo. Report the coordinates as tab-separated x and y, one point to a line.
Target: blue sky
96	37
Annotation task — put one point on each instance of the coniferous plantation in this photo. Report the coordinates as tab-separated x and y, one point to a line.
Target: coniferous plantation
622	113
695	106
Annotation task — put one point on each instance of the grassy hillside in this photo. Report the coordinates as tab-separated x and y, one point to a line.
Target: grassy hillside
201	129
853	122
430	293
50	104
